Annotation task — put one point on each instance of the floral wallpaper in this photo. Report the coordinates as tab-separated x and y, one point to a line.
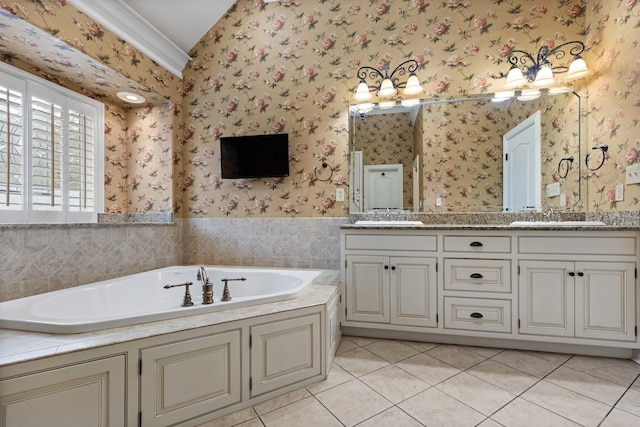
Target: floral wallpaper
290	67
388	139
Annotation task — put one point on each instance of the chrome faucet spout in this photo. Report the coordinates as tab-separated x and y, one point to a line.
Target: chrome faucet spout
202	275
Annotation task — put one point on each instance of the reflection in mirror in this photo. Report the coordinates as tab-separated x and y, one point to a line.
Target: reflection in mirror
452	155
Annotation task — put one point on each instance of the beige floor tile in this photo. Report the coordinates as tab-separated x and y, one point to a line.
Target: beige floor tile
353	402
427	368
526	362
435	408
255	422
359	361
588	385
476	393
614	370
346	345
630	401
483	351
233	419
420	346
456	356
391	351
619	418
391	417
569	404
336	376
280	401
362	341
522	413
489	423
299	413
394	384
503	376
557	358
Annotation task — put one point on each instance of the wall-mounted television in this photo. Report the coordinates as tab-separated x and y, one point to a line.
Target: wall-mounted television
255	156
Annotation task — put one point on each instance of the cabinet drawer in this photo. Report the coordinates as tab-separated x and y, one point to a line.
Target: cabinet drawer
473	314
605	245
483	275
397	242
477	244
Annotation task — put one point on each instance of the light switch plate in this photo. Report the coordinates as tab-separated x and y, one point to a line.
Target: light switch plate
619	192
632	174
553	190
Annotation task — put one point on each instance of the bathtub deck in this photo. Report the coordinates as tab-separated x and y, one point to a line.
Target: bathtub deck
21	346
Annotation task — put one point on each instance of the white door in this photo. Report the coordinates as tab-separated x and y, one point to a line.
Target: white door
383	186
521	165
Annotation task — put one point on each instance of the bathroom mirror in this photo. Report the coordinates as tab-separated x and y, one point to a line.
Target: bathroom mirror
447	155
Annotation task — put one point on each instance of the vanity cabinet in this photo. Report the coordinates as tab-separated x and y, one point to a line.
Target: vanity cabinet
90	394
578	299
187	378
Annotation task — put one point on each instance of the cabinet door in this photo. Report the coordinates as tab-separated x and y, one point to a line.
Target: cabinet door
368	288
185	379
605	300
284	352
413	291
546	298
90	394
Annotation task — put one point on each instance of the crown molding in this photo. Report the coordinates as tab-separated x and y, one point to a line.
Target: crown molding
130	26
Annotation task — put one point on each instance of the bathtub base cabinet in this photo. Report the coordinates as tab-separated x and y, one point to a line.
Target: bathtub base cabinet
571	288
186	378
90	394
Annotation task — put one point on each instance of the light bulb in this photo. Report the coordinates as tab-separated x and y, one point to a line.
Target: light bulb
515	79
544	77
529	95
577	69
413	86
362	92
387	90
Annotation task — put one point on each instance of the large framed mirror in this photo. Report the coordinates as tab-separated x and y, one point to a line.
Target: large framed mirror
449	155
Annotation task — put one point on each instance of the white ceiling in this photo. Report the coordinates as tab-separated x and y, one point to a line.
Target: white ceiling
183	22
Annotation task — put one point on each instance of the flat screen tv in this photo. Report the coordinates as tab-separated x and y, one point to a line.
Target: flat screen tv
255	156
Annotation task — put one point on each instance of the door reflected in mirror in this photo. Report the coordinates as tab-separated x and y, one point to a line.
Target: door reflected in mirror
452	154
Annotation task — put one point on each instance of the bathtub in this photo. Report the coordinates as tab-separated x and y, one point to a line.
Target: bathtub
142	297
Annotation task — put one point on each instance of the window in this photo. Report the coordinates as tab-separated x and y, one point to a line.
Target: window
50	152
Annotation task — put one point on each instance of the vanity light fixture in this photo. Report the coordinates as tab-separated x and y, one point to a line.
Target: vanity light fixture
502	96
132	98
387	84
528	95
539	72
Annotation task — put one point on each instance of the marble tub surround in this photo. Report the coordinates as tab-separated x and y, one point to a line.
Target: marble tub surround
115	218
21	346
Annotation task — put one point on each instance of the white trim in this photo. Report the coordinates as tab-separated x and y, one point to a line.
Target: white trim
128	24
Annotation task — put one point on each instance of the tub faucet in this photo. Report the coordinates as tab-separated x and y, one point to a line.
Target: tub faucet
207	287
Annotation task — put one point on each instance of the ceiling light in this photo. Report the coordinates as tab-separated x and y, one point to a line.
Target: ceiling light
131	97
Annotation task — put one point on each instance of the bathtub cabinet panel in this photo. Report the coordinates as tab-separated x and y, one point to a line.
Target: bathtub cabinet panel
284	352
333	327
188	378
90	394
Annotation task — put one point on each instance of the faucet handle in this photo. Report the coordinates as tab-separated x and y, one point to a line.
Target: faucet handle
186	301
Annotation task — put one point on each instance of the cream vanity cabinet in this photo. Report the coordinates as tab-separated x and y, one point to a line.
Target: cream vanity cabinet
391	278
578	286
95	390
476	289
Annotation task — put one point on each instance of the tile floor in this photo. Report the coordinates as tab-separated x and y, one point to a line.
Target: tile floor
388	383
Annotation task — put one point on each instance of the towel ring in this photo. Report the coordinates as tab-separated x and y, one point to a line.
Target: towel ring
565	160
604	149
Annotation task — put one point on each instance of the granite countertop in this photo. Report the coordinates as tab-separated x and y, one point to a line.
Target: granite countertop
21	346
501	227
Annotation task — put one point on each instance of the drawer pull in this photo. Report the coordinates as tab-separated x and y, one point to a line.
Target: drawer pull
476	276
475	244
476	315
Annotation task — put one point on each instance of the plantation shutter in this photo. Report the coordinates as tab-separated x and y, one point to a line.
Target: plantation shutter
12	194
82	161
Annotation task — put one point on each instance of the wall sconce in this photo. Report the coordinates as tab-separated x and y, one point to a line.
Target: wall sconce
386	84
540	72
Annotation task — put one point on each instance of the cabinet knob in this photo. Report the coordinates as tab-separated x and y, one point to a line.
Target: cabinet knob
571	273
475	244
580	273
386	267
476	315
476	276
393	267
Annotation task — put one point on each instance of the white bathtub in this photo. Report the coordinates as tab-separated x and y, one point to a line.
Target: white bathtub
141	297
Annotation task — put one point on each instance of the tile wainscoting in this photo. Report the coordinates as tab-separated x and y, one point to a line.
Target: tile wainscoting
43	258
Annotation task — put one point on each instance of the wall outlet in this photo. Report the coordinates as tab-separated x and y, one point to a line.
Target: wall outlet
438	201
619	192
553	190
563	199
632	173
339	194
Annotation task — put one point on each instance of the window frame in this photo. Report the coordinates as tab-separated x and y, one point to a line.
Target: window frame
32	86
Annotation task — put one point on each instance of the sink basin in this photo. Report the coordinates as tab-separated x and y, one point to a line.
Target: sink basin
556	223
388	222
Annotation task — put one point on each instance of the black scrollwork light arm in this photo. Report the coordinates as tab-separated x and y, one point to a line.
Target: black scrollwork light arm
519	58
410	66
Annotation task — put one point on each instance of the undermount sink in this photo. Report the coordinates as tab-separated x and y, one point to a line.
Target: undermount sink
556	223
388	222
